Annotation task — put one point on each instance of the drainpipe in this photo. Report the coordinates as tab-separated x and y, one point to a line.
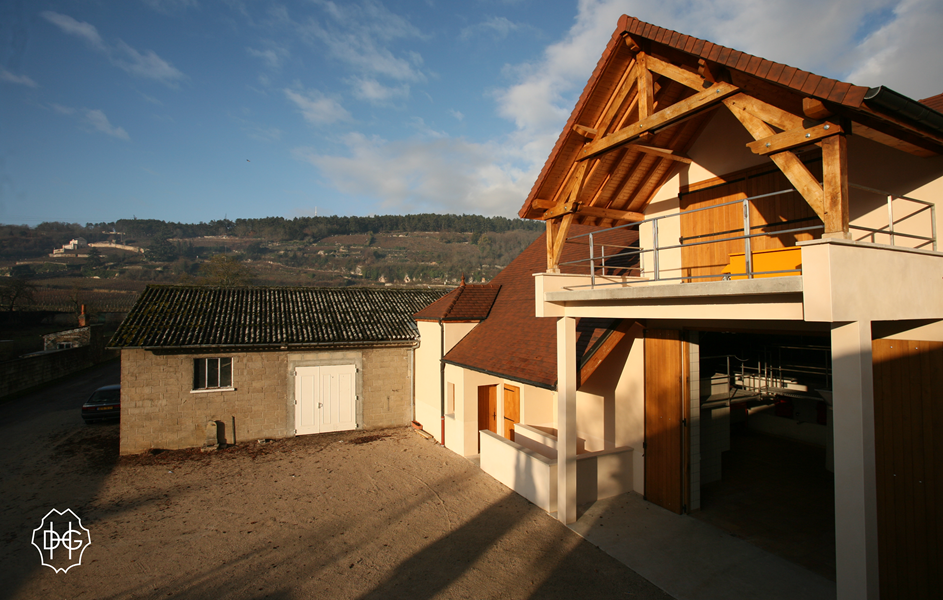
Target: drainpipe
442	377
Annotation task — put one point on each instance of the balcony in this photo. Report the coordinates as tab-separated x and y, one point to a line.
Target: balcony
775	269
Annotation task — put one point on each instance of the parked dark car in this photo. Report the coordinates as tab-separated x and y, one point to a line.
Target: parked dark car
104	404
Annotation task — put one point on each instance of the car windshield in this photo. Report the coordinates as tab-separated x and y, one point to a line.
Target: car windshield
105	396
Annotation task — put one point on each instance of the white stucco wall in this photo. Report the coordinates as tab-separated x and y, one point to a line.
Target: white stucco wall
428	371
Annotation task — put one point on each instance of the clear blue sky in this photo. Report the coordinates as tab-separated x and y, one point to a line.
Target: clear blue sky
192	110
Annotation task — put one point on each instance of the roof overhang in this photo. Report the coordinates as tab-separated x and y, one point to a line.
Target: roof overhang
650	97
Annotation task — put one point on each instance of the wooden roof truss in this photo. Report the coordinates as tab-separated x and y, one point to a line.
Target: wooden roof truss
643	110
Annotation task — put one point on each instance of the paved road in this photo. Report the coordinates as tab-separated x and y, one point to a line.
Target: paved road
62	399
49	459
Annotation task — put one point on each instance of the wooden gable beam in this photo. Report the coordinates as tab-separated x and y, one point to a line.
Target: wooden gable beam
610	213
687	78
629	81
646	94
678	111
773	115
570	193
788	162
553	258
794	138
660	152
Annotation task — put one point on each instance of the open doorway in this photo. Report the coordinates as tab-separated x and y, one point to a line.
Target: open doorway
766	469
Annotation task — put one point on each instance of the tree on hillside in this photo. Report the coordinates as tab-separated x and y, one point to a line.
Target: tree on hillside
162	249
94	259
16	291
225	271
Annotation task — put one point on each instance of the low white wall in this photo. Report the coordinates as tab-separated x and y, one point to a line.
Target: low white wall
525	471
530	472
603	474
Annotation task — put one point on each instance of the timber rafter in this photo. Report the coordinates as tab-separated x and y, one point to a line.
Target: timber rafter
652	95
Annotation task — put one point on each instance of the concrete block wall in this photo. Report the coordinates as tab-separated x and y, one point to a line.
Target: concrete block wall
387	387
159	409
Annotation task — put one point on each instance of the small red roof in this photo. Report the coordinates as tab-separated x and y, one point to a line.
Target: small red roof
467	302
514	343
934	102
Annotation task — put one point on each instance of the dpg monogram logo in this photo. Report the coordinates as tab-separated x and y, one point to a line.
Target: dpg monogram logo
61	540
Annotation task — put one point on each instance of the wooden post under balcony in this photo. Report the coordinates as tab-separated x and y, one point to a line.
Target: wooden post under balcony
835	186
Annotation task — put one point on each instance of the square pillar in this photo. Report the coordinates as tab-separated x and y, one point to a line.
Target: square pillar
566	420
856	528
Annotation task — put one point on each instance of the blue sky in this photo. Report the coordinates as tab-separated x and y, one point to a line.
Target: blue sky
193	110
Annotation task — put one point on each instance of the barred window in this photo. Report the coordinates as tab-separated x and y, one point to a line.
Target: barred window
212	373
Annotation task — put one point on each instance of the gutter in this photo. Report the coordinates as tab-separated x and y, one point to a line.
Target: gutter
895	104
271	347
545	386
442	378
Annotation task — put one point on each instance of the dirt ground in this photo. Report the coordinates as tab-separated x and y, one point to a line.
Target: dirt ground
377	514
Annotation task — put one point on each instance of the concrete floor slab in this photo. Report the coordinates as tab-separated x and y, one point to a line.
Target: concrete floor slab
690	559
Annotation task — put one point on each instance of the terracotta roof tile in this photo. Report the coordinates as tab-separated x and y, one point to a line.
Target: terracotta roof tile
824	87
753	64
934	102
838	92
467	302
169	316
512	341
763	69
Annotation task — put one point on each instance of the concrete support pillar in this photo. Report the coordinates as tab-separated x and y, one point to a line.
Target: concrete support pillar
856	537
566	420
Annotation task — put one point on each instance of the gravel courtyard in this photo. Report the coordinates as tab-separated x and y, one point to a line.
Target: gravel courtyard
376	514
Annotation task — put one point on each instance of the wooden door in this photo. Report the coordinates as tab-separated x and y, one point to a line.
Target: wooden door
487	409
767	215
512	410
664	410
908	428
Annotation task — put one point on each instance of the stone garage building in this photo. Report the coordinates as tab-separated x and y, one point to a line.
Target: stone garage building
264	362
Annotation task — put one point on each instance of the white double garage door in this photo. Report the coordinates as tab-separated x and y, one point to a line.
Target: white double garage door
325	399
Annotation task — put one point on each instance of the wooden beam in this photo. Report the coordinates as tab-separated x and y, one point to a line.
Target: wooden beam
541	203
560	238
794	138
815	109
710	71
678	111
646	96
788	163
552	226
560	210
587	132
835	184
888	140
609	213
691	80
776	117
660	152
616	336
615	102
571	191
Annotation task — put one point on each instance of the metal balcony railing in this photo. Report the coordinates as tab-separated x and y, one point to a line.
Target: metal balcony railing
889	231
644	264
